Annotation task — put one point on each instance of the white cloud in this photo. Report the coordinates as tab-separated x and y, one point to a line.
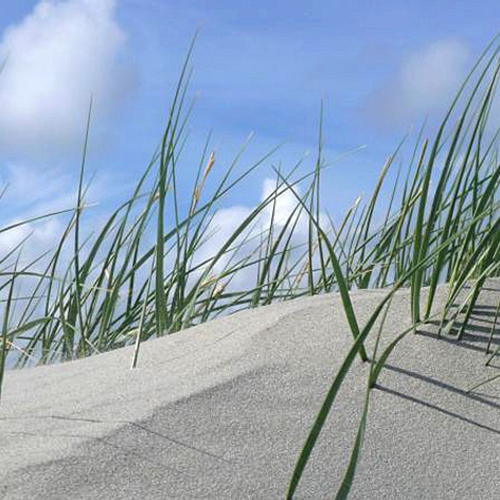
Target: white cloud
23	187
285	203
40	237
56	58
31	193
426	81
226	221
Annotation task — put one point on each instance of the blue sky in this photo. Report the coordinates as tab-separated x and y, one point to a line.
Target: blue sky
380	67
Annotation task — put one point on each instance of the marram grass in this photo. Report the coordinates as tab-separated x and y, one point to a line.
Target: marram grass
143	274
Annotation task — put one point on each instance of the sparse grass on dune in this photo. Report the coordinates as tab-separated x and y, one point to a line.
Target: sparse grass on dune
145	272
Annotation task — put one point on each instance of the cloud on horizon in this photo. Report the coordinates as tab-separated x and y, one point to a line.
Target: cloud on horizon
56	58
226	222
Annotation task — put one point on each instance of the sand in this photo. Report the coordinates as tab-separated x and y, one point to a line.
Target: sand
222	410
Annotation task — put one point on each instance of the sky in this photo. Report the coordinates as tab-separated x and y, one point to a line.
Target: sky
259	67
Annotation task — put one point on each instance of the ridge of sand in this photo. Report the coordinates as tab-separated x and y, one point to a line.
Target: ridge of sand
222	410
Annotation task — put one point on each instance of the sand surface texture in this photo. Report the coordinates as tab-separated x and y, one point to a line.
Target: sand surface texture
222	410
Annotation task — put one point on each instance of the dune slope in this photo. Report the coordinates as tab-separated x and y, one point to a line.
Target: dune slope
222	410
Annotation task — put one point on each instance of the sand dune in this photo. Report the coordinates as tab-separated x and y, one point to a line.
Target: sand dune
222	410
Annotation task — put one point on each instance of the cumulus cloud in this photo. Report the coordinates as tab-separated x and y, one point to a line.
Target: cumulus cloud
426	81
23	200
227	220
55	59
284	205
23	183
39	237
